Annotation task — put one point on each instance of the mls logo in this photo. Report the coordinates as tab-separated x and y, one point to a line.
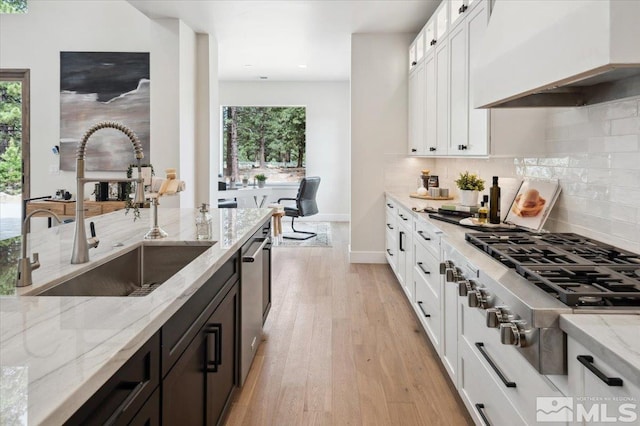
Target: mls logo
552	409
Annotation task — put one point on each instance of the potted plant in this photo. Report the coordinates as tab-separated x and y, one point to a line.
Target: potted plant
261	180
245	180
469	185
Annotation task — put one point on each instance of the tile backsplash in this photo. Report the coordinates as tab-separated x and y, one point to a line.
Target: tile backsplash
594	152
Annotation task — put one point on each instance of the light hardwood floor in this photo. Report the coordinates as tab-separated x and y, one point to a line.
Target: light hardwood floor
342	347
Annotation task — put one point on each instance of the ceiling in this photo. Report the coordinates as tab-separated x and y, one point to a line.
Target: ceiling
289	40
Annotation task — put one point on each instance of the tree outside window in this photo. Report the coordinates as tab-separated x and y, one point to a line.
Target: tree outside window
264	140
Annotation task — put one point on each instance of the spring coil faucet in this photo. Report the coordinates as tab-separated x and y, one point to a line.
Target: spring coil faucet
80	253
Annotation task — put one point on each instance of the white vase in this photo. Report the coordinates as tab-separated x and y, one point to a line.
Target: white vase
468	198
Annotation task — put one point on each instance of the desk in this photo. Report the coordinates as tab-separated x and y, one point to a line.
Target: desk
68	208
244	193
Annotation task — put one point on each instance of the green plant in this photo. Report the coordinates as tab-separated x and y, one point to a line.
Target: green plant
469	182
260	177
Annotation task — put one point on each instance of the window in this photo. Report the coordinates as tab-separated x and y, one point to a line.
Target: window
13	6
263	140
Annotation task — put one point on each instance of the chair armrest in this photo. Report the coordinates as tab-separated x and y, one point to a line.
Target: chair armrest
289	199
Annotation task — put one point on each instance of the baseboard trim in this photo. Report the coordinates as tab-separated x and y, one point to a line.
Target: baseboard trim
326	217
366	256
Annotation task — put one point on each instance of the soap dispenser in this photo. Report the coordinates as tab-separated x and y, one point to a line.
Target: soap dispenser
203	223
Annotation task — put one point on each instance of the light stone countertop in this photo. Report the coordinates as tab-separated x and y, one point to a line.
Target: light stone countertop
55	352
615	339
612	337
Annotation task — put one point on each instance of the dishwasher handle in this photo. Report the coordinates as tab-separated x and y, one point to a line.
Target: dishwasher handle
258	252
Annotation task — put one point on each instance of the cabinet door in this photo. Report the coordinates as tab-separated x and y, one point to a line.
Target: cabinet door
442	97
442	20
429	35
414	113
459	108
456	12
266	282
221	332
430	105
449	343
476	24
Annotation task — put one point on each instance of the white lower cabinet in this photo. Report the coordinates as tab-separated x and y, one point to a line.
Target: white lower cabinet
405	253
428	284
601	395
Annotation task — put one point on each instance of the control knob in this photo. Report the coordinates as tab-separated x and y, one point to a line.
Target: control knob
464	287
496	316
478	299
447	264
511	334
453	275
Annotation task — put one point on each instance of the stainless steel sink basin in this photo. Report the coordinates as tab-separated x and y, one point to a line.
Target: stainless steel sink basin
135	273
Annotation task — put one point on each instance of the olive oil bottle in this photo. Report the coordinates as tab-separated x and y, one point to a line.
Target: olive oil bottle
494	203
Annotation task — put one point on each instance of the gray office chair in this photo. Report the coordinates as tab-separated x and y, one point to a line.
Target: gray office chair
305	205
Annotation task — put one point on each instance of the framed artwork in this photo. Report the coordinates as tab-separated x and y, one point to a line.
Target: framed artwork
533	203
103	86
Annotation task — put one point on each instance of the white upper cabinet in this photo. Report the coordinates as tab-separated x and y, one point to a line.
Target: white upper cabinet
429	31
420	46
412	56
443	121
442	20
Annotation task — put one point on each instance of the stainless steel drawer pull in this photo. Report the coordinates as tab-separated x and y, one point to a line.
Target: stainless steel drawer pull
493	365
480	408
587	361
423	312
422	269
421	233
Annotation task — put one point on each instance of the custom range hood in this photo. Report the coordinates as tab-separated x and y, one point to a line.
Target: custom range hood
558	53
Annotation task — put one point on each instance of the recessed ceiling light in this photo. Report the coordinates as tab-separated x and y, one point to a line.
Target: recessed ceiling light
248	65
263	77
302	66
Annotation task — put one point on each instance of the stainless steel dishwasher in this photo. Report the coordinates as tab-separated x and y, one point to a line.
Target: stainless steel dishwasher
251	300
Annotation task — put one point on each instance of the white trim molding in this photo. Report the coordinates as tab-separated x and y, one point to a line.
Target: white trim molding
366	256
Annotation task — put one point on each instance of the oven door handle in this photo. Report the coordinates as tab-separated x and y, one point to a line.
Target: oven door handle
493	365
587	361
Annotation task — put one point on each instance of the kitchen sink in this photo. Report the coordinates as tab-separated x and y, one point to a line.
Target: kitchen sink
135	273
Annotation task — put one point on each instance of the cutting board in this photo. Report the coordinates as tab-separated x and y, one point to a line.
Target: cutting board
428	197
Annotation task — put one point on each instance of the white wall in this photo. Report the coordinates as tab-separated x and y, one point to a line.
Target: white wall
35	40
379	81
327	110
187	87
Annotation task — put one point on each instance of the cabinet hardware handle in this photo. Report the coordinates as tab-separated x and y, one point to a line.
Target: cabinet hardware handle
432	148
462	147
414	63
423	312
135	392
389	226
480	408
414	150
432	42
493	365
214	340
423	270
389	251
390	205
462	9
400	241
421	233
402	217
587	361
252	258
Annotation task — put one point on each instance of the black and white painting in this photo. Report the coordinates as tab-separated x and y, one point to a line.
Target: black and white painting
103	86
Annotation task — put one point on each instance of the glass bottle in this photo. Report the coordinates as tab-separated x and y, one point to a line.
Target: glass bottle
494	204
203	223
483	212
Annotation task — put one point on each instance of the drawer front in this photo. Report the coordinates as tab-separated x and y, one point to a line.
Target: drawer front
181	328
520	382
584	382
390	223
427	266
390	207
89	210
391	249
427	307
53	207
429	235
481	394
405	217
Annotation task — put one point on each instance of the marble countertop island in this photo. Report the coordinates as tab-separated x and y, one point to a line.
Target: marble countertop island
55	352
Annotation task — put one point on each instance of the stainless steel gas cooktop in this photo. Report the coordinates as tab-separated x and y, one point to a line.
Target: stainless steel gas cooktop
579	271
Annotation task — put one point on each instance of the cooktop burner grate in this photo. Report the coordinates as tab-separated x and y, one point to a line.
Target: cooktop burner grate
577	270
